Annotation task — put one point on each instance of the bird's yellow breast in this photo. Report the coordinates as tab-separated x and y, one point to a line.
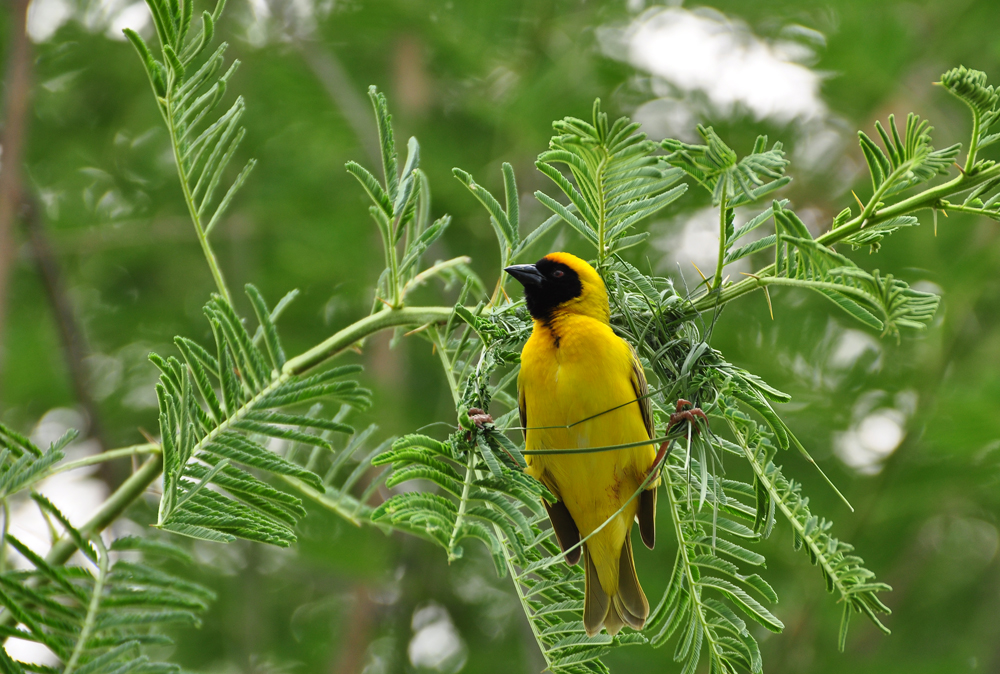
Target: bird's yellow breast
576	384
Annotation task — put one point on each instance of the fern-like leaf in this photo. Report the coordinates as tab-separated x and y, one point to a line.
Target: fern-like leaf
213	443
102	617
906	161
617	180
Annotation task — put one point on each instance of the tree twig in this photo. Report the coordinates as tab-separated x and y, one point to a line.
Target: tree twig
71	335
17	82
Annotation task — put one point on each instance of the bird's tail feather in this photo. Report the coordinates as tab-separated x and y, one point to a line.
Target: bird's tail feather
596	601
626	606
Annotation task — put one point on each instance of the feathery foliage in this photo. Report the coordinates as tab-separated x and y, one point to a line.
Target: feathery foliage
907	161
186	95
22	464
617	180
219	409
102	616
402	212
239	417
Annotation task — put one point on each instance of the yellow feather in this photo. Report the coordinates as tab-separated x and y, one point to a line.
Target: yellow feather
574	368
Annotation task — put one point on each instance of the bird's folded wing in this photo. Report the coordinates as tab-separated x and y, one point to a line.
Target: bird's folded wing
641	389
646	514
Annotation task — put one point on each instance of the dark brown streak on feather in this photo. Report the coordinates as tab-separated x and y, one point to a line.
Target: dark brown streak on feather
552	331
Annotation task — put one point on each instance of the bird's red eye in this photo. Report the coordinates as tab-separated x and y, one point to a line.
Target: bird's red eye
558	273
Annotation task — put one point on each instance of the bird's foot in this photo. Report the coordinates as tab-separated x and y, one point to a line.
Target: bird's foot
681	415
479	417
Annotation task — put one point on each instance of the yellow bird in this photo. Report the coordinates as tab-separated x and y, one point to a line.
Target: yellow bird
582	386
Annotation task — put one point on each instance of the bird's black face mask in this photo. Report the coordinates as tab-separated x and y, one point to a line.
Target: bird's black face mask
547	284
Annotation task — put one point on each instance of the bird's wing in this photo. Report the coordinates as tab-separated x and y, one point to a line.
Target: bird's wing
641	389
647	499
522	411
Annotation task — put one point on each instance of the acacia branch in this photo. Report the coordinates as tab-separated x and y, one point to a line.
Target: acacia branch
929	198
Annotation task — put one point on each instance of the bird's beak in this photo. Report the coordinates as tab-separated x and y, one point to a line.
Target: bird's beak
527	274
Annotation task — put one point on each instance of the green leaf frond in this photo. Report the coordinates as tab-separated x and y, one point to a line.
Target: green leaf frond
23	464
906	161
844	572
104	616
716	167
882	303
970	87
473	493
222	419
186	94
707	600
617	181
402	213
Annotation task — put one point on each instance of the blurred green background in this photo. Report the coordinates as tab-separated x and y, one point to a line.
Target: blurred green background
909	429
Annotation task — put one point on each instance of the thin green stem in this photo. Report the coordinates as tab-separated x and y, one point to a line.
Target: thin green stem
449	370
337	505
524	602
93	607
110	455
958	208
3	535
462	503
344	339
602	251
682	550
122	498
799	527
717	283
206	246
970	161
927	199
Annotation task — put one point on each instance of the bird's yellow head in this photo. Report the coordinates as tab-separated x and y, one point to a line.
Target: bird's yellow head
562	283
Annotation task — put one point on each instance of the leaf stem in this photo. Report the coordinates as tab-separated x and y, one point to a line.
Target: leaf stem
926	199
93	606
466	487
973	142
122	498
110	455
387	318
682	544
206	246
717	282
816	552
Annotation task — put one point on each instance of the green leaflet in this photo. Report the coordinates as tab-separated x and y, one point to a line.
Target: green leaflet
208	440
100	620
617	181
906	161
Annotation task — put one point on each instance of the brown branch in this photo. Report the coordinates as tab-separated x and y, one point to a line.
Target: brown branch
70	334
17	81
